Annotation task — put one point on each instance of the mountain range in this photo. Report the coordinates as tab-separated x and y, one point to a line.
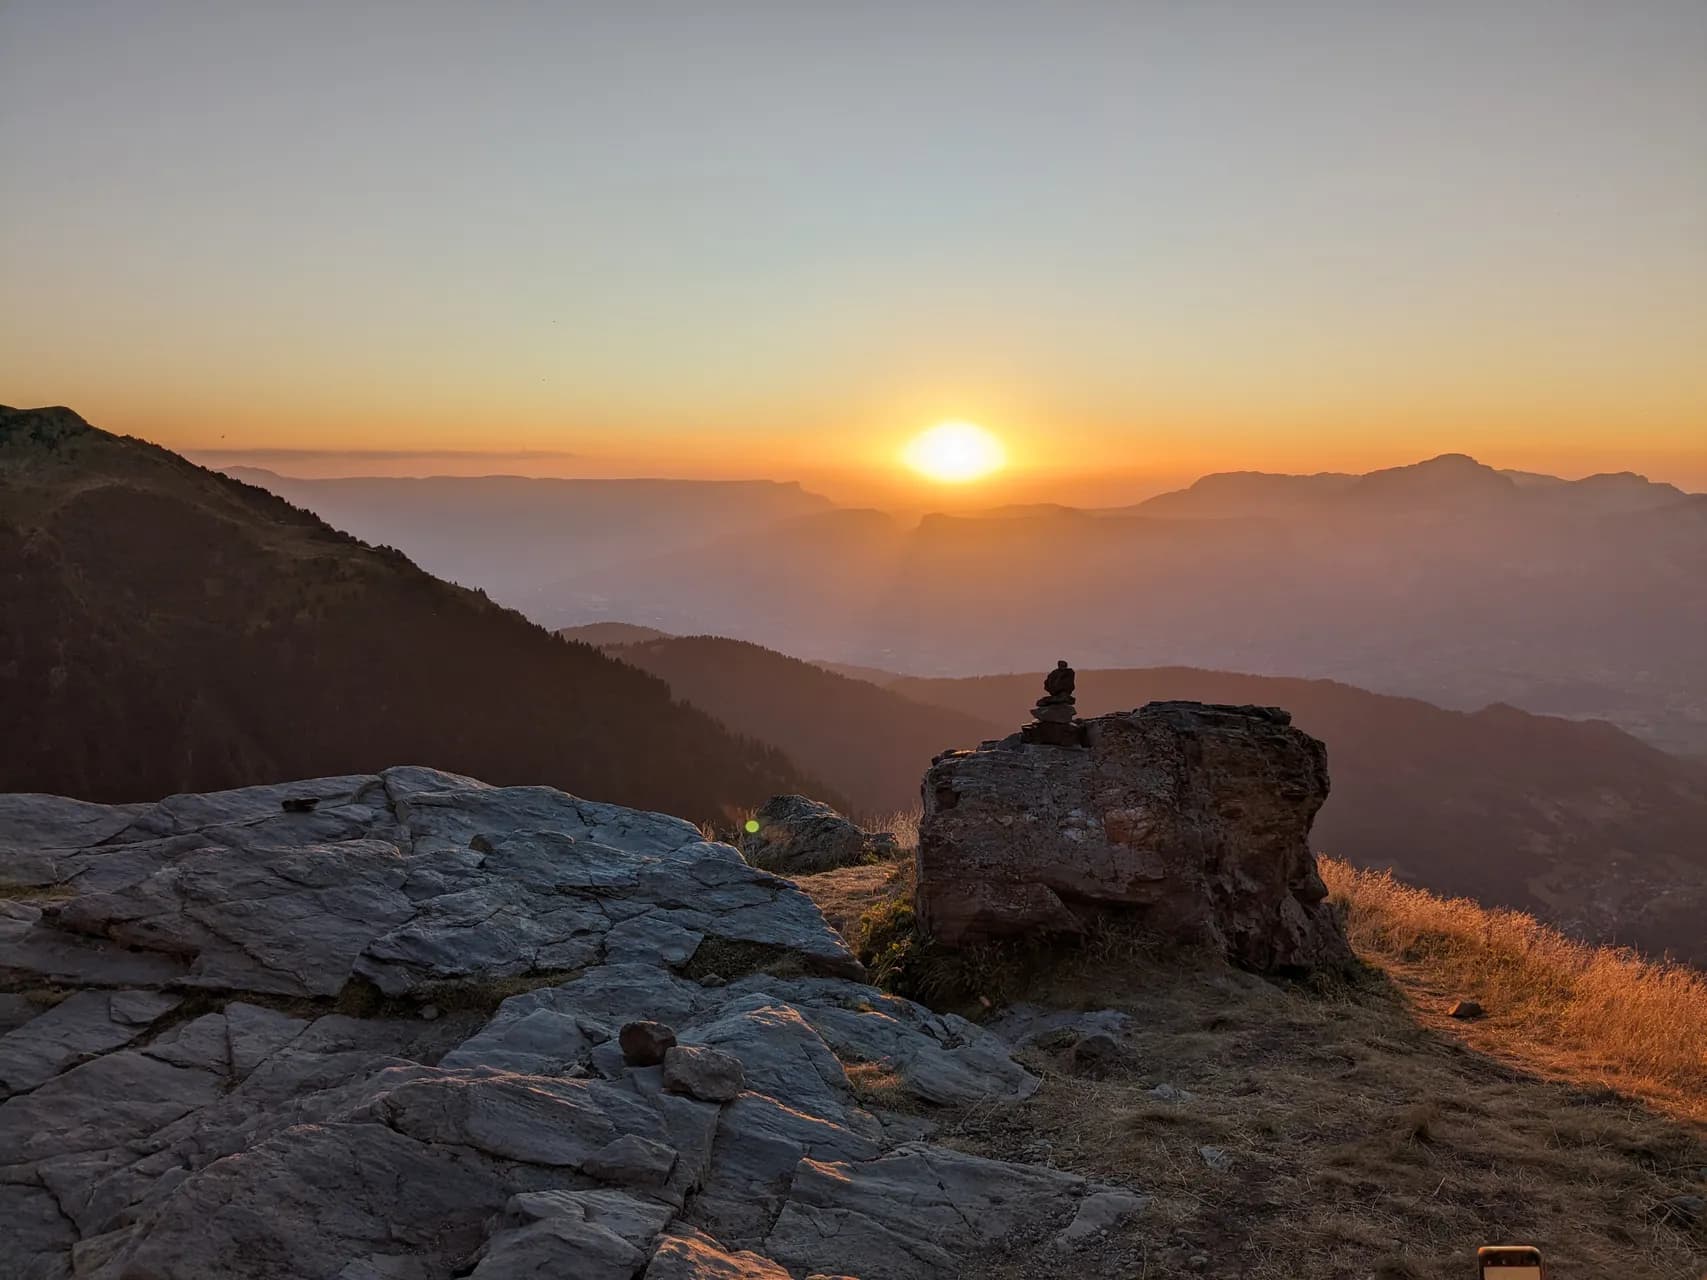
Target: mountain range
172	629
1447	580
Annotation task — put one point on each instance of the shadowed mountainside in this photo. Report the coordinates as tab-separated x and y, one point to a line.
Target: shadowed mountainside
172	629
873	745
1577	822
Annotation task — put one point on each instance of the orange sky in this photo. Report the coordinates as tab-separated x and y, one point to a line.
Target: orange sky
1138	242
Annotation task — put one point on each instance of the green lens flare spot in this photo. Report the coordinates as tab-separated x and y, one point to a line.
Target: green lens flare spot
752	826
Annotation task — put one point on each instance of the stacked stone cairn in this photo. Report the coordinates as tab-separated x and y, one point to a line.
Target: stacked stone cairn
1055	717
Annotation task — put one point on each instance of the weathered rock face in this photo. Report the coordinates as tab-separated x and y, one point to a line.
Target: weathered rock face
206	1105
799	836
1194	817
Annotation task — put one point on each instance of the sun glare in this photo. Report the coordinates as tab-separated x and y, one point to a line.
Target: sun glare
954	452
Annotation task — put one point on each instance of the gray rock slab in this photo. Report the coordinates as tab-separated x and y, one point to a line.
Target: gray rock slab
29	820
16	1010
702	1072
631	1160
291	922
778	1053
541	1042
242	806
914	1214
314	1198
651	939
268	1138
940	1058
201	1042
33	948
254	1033
83	1024
634	1220
760	1143
101	1104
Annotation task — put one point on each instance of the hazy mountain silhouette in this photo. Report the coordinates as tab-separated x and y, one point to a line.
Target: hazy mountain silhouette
1578	822
513	535
1452	480
871	745
170	629
1446	580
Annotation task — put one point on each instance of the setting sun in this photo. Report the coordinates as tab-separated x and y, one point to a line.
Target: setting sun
955	452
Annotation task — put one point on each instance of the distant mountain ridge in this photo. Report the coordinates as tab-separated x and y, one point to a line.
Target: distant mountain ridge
1447	580
1448	480
172	629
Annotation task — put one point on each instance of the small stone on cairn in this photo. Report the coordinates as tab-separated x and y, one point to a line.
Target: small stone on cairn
1055	711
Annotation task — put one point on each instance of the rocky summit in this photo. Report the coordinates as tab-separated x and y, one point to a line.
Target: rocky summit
370	1028
1192	818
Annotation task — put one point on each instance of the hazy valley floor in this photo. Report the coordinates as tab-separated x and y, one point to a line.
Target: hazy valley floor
1361	1131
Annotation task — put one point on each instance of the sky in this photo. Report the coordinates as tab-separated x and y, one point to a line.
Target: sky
1138	240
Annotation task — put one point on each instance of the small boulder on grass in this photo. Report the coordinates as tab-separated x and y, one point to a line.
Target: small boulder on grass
1466	1009
1098	1056
796	836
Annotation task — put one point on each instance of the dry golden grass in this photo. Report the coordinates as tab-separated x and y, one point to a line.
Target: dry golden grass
903	824
1365	1133
843	895
1581	1012
877	1085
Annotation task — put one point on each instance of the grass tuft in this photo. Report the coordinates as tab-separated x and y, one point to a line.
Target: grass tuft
1586	1009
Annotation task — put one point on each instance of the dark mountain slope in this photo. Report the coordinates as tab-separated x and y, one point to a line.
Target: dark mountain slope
872	745
1576	821
167	628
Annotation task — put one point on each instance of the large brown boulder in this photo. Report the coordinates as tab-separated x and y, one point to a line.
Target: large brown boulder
1192	818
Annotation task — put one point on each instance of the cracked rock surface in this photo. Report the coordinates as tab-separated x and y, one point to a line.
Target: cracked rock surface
376	1038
